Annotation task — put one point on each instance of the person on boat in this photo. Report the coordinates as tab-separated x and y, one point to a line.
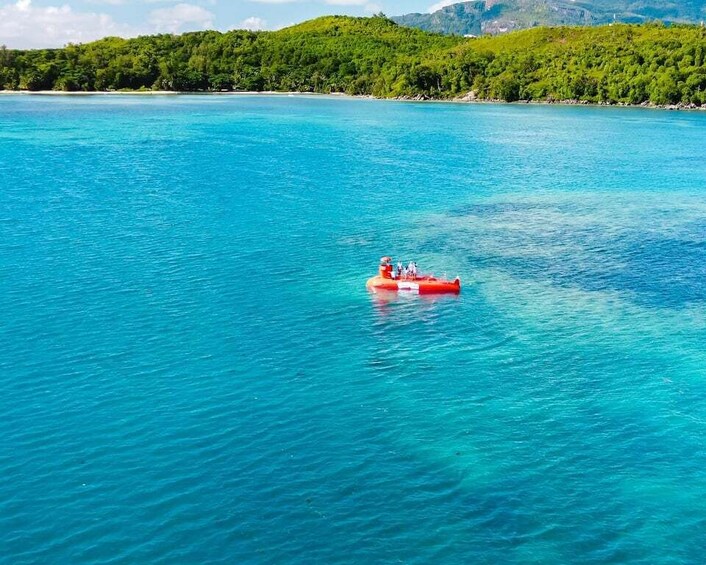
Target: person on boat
399	269
412	269
386	268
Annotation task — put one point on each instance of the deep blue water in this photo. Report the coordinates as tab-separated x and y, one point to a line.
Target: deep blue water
192	371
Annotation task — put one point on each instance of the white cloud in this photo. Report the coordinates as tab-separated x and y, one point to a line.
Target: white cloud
442	4
173	19
253	24
24	26
34	24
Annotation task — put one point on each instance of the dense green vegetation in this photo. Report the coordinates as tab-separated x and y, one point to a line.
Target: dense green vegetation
495	17
614	64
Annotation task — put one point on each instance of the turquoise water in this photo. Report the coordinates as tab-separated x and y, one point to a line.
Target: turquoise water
192	370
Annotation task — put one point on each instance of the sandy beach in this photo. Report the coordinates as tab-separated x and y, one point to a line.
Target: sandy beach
458	100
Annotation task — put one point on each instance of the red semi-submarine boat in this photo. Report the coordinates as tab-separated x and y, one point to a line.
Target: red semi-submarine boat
390	281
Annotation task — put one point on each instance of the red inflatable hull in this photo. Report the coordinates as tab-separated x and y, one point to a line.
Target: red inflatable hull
423	285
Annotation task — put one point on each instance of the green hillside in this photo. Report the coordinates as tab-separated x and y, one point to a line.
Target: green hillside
628	64
501	16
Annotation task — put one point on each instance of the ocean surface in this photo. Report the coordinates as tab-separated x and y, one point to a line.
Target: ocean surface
192	370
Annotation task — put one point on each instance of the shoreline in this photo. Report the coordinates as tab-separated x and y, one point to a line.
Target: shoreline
180	93
467	99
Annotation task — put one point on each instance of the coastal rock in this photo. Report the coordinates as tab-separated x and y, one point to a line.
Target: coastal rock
415	98
472	96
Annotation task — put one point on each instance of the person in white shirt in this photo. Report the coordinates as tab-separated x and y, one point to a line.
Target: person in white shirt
412	269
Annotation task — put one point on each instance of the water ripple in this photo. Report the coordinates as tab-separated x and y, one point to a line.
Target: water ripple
193	372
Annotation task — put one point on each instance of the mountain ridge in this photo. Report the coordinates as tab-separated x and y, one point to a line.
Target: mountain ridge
495	17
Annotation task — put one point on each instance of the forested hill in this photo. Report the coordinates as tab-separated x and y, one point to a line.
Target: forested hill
500	16
614	64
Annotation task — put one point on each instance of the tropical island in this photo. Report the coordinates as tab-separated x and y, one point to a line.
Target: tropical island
632	64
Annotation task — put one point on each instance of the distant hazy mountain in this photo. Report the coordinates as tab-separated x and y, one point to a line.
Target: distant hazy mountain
499	16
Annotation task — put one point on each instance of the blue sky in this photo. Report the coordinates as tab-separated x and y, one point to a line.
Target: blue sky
53	23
